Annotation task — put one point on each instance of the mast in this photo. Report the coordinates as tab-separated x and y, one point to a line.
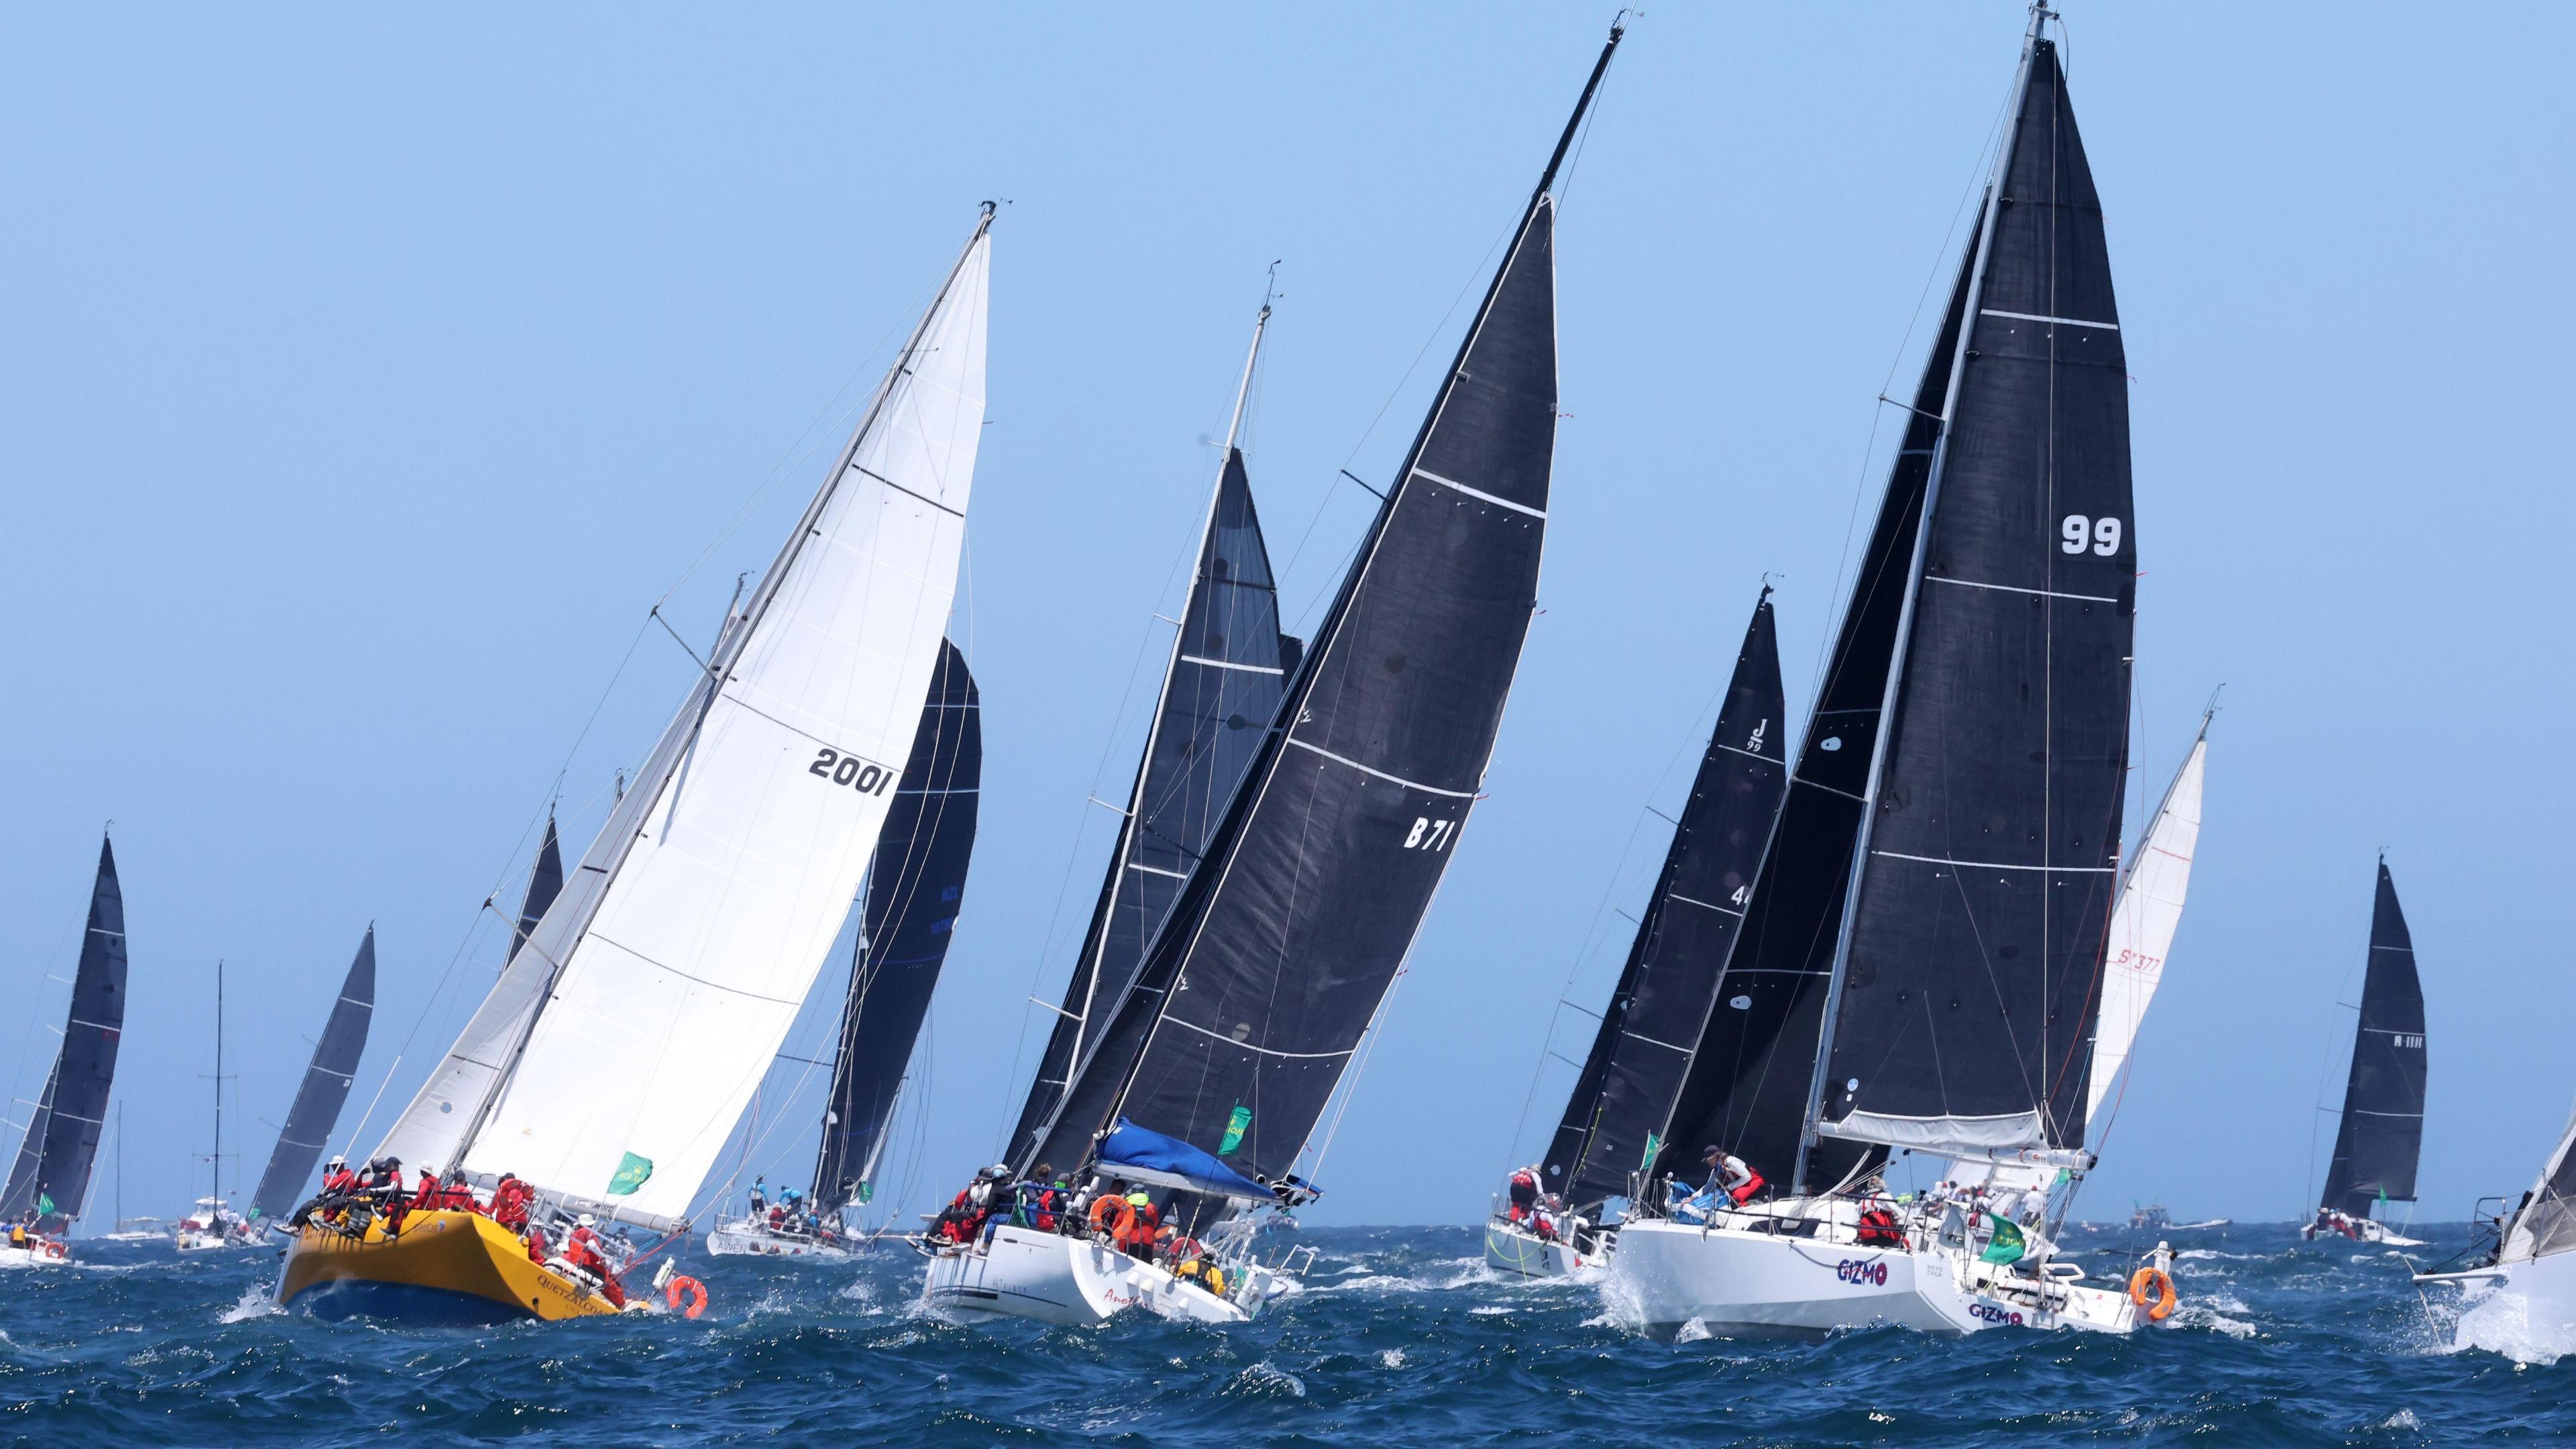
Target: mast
219	1084
1991	213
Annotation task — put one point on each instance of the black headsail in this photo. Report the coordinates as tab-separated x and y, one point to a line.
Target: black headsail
51	1174
1614	1119
1962	1007
2383	1099
1263	981
545	882
1220	693
916	886
1746	1089
325	1089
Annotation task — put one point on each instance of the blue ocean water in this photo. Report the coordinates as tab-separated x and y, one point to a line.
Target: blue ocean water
1403	1337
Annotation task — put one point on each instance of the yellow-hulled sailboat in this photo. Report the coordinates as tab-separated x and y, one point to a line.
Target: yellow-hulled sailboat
632	1021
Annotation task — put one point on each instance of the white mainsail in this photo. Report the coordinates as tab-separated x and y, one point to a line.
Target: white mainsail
2143	924
680	951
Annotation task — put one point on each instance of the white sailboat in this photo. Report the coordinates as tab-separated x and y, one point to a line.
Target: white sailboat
1928	934
620	1046
212	1223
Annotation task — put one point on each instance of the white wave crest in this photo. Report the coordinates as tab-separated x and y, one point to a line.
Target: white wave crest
254	1303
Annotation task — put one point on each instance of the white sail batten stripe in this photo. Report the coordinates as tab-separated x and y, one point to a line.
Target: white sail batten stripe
1230	664
2017	589
1828	789
1748	754
908	493
1997	864
1247	1046
1157	870
2036	317
1703	905
1650	1041
1381	774
2408	1116
1479	494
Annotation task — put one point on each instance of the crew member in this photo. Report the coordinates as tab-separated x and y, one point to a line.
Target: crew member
1139	1226
510	1200
1525	1190
582	1251
1729	1174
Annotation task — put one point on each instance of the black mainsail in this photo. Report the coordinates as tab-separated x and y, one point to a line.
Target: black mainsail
1966	982
325	1089
1746	1089
916	886
51	1174
1614	1120
1220	693
2382	1132
1265	977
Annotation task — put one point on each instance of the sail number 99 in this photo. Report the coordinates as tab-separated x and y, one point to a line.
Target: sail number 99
2102	535
852	771
1430	834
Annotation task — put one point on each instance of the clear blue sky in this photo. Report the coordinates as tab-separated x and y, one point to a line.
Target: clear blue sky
366	379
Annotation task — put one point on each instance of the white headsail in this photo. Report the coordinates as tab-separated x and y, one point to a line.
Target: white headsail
2143	924
666	975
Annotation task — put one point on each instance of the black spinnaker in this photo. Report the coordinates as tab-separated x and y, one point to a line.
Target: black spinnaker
1265	977
2383	1098
1613	1121
325	1089
1220	693
916	886
51	1174
1969	975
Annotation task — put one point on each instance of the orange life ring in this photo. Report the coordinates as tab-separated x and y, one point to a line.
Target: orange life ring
2155	1284
685	1286
55	1251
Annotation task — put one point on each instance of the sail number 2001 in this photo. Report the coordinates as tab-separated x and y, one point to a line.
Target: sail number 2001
1430	834
852	771
2102	535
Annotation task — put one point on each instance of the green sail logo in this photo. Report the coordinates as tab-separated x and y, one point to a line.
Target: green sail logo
1235	1126
632	1173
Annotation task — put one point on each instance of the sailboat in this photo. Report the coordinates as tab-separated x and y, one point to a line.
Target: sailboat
49	1180
1611	1133
324	1091
1199	1087
621	1044
915	888
1923	952
2382	1131
212	1222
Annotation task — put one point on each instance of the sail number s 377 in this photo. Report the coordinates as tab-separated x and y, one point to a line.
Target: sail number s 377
840	769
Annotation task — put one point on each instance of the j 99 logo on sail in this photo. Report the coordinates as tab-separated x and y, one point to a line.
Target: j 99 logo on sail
2078	533
1429	834
850	770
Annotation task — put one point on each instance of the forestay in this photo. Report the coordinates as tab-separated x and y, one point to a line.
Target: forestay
1967	980
324	1091
916	887
1667	988
690	934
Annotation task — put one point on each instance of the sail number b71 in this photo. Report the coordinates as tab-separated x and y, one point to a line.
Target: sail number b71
1430	834
850	770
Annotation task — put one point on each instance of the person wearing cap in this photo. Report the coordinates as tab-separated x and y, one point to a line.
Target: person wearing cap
336	1176
1729	1174
582	1251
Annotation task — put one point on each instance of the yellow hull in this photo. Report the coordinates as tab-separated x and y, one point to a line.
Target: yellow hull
445	1267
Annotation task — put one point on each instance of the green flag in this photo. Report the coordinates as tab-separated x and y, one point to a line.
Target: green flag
1235	1126
867	1193
1654	1145
44	1205
631	1174
2006	1246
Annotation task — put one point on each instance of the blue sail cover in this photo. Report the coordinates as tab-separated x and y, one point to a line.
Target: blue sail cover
1137	1149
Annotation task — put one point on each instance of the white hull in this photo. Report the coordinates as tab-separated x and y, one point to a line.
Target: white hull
1014	1272
1517	1250
739	1239
51	1255
194	1242
2530	1312
1738	1283
2364	1230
